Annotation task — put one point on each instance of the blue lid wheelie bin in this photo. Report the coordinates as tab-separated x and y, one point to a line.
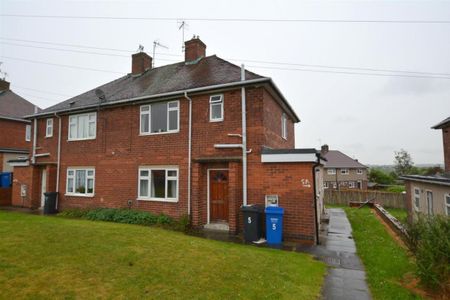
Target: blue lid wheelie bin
274	225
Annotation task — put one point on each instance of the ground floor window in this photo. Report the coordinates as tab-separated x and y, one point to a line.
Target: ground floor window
416	199
325	185
351	184
158	183
80	181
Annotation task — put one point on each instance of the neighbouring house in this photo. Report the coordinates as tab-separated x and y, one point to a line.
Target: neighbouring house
430	195
200	138
15	133
342	172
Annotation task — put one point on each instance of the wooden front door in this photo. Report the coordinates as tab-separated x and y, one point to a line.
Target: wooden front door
218	195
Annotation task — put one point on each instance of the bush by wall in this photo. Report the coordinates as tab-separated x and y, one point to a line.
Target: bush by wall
430	242
127	216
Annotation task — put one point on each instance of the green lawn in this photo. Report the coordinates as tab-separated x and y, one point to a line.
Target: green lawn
399	214
52	257
386	263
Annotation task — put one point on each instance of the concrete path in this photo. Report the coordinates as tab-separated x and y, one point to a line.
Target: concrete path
346	277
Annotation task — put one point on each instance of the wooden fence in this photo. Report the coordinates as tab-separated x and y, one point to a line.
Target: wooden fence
386	199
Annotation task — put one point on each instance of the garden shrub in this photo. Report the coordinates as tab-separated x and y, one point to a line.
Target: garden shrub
429	240
127	216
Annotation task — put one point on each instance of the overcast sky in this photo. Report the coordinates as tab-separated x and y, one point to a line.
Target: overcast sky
366	117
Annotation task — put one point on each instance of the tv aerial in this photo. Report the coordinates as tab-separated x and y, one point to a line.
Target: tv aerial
156	43
100	94
182	25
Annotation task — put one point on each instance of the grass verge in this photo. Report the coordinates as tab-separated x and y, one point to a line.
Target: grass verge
50	257
387	264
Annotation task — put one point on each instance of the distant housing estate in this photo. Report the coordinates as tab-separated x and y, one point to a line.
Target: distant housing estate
342	171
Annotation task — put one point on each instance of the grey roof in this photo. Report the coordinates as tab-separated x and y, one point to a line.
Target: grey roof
12	106
178	77
442	124
337	159
438	179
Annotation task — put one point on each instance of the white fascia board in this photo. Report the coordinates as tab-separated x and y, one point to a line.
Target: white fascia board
288	157
19	164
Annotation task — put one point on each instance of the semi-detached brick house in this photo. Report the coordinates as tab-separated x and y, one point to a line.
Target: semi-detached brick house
168	140
15	132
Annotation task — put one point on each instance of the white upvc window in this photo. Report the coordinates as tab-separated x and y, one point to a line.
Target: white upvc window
331	171
80	181
161	117
49	128
359	171
334	185
325	185
216	108
430	202
351	184
28	133
447	204
416	199
344	172
82	126
284	126
158	184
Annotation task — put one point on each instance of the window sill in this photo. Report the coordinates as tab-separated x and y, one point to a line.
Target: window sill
50	136
77	140
159	133
79	195
216	120
158	200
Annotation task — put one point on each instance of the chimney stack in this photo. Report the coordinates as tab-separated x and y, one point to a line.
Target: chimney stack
4	85
194	50
324	150
140	62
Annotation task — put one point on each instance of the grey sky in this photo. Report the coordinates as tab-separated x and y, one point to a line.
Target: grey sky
368	117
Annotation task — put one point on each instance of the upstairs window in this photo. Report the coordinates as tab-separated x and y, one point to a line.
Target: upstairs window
160	117
49	128
359	171
331	171
82	127
216	108
284	126
28	133
344	171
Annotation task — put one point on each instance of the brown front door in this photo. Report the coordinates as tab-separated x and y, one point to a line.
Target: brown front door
218	195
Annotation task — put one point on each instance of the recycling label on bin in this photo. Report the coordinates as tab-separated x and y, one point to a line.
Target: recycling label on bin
274	222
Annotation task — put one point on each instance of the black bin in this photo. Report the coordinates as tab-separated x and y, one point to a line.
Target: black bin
50	203
253	222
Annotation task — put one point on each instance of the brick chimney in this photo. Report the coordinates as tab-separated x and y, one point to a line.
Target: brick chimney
4	85
194	50
140	62
324	149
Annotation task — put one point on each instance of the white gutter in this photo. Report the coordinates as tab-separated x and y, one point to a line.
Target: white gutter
176	93
59	160
14	119
244	140
228	146
189	152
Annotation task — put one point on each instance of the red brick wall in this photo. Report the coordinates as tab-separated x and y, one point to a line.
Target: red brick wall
12	134
30	177
446	142
47	144
272	125
290	182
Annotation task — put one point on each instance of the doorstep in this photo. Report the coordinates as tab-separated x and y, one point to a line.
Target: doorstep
217	226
